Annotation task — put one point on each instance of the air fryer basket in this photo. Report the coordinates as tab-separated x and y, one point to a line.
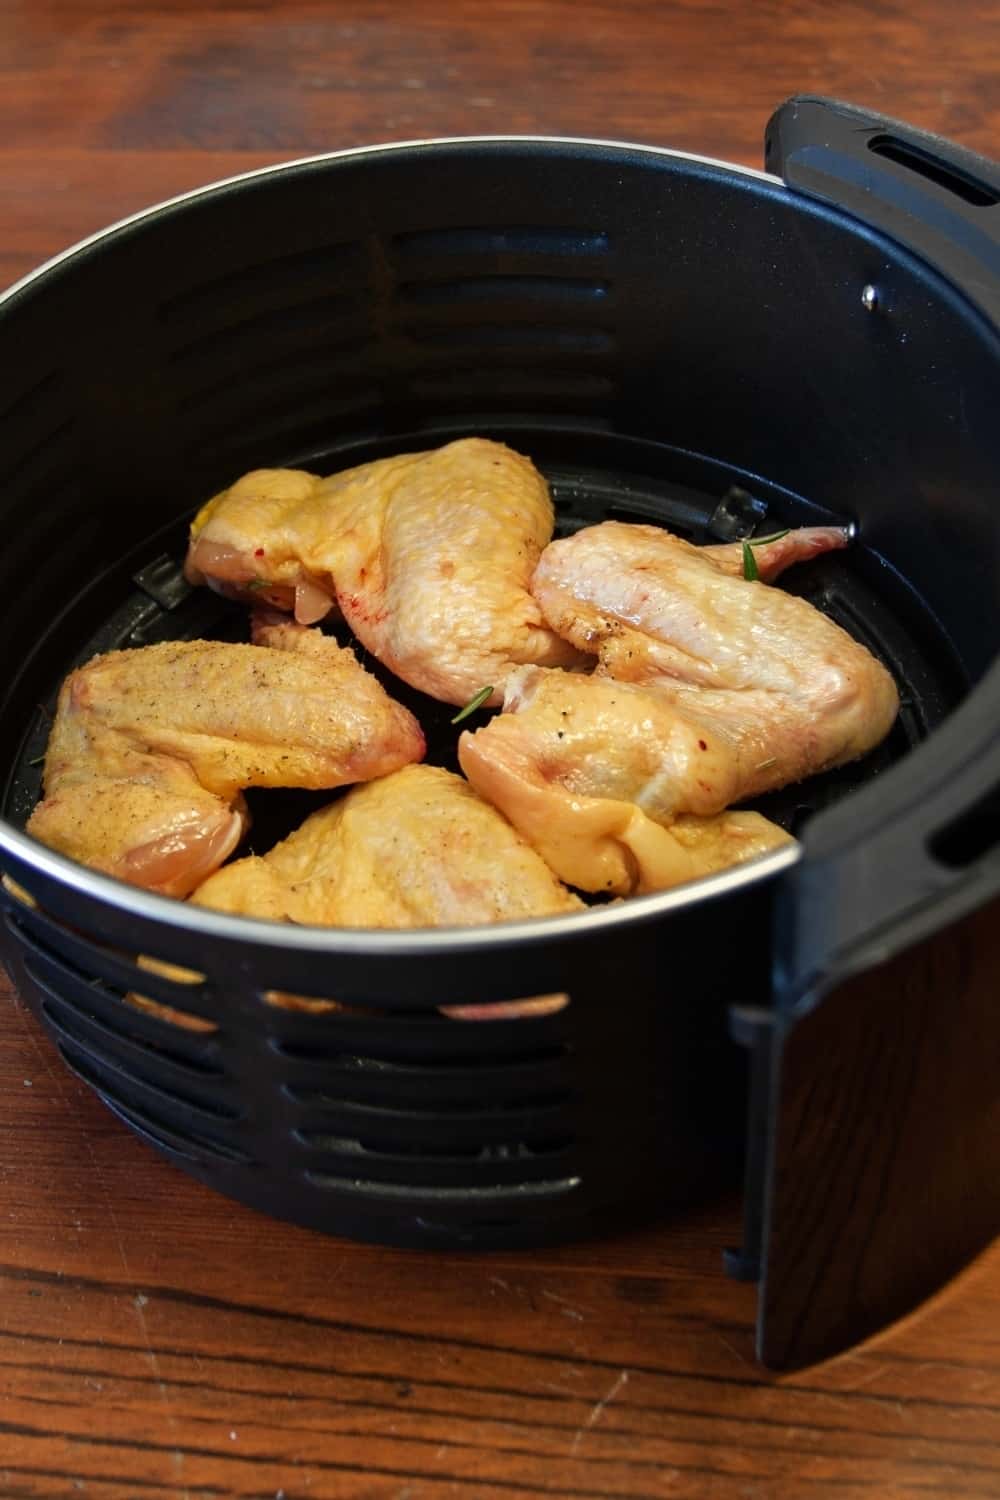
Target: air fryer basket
670	339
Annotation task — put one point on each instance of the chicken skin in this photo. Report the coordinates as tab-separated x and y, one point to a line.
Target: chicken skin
595	775
428	556
709	689
151	748
414	849
788	689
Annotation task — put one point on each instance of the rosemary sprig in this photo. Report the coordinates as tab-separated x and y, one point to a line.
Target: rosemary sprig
750	570
476	701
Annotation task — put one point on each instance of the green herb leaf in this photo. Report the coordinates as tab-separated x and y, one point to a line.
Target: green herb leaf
761	541
476	701
750	572
256	584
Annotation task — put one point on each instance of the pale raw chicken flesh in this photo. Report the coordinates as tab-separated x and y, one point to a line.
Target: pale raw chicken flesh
428	555
592	772
150	748
786	688
415	849
709	689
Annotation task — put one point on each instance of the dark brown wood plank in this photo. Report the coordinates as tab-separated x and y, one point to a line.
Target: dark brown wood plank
157	1340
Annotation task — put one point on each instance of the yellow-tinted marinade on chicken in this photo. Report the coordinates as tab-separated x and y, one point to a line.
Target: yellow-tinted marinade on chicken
151	748
709	689
428	555
418	848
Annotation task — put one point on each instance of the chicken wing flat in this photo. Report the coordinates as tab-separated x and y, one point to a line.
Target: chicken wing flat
151	748
709	689
791	690
428	555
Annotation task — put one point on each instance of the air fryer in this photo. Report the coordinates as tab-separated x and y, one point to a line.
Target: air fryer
671	339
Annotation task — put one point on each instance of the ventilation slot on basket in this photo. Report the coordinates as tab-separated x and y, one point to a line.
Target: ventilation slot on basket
535	292
278	283
495	316
40	409
165	1134
403	1060
105	1051
68	957
292	424
432	1095
329	322
499	1194
523	323
104	1044
493	339
265	388
402	1150
29	466
502	244
114	1021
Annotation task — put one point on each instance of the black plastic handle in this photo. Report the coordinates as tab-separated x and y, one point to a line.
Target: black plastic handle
874	1075
880	871
899	860
937	199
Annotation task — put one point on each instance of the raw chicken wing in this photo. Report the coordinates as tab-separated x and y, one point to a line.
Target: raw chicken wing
151	748
415	849
602	778
428	555
709	689
790	690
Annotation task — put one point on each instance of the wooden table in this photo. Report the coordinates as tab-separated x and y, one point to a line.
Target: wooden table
156	1339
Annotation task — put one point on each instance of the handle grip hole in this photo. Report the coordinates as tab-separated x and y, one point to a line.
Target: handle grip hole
926	164
970	836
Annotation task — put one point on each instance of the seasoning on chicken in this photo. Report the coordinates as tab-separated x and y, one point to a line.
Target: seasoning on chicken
428	555
787	690
610	784
709	689
151	748
415	849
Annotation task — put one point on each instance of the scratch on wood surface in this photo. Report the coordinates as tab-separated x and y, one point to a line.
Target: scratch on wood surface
596	1410
869	1377
565	1307
866	1374
140	1302
736	1353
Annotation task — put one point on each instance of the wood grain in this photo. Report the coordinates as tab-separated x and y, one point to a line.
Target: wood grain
156	1339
